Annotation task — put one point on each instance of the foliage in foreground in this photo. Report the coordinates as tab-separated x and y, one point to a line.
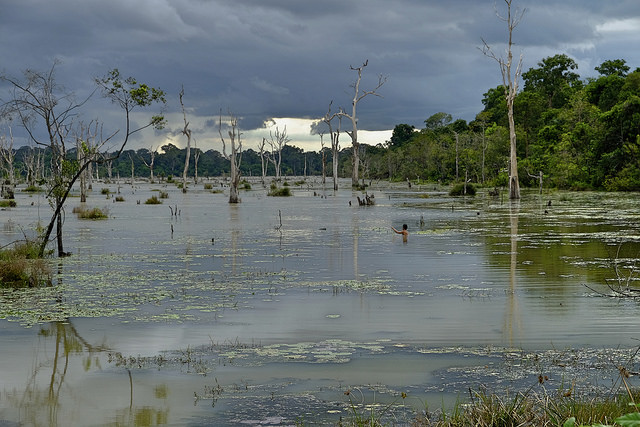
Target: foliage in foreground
20	266
524	409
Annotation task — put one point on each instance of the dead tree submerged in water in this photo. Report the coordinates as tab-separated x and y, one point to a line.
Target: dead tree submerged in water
366	200
186	132
234	156
353	133
510	84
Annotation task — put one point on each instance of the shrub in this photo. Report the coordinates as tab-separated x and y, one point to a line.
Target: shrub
246	185
459	190
21	267
163	194
33	189
119	199
91	213
105	191
299	183
153	200
280	192
208	186
7	203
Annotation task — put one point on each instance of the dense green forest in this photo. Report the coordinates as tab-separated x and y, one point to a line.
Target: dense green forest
579	133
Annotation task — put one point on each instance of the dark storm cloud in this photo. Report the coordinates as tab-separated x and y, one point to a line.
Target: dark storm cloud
279	58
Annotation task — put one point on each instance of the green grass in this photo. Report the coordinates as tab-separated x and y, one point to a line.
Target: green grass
10	203
530	408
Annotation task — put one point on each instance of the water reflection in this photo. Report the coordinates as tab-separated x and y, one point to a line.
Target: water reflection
512	315
46	390
67	385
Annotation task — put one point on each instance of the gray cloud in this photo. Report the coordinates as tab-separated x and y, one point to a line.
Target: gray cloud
263	59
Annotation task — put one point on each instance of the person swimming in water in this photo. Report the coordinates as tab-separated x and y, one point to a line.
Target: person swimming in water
404	232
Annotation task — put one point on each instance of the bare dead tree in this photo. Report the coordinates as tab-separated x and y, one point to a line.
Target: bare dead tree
335	141
234	156
324	158
186	132
621	286
7	157
263	159
152	158
510	78
196	158
132	169
277	141
358	95
85	144
539	177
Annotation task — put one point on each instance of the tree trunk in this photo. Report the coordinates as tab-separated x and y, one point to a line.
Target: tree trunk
335	170
514	185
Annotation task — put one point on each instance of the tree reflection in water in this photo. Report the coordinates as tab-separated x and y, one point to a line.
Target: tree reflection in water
54	396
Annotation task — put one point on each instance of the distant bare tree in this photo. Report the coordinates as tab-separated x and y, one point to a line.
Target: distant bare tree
263	159
324	158
186	132
7	157
152	158
234	156
358	95
335	141
510	83
277	141
196	157
85	151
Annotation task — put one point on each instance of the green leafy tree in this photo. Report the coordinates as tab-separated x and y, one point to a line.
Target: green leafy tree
401	135
613	67
554	79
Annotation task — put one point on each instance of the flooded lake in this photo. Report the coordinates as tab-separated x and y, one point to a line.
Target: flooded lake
285	310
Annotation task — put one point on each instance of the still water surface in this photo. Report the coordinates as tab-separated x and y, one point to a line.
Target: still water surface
267	312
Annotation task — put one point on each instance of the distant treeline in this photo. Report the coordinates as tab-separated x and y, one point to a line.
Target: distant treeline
574	133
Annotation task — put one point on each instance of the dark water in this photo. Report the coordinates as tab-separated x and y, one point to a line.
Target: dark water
285	310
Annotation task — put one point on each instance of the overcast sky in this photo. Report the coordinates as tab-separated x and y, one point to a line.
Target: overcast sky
283	61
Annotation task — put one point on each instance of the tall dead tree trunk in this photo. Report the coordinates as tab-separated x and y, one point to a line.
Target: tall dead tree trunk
263	159
353	133
324	158
152	159
335	141
7	157
186	132
234	156
510	83
196	157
